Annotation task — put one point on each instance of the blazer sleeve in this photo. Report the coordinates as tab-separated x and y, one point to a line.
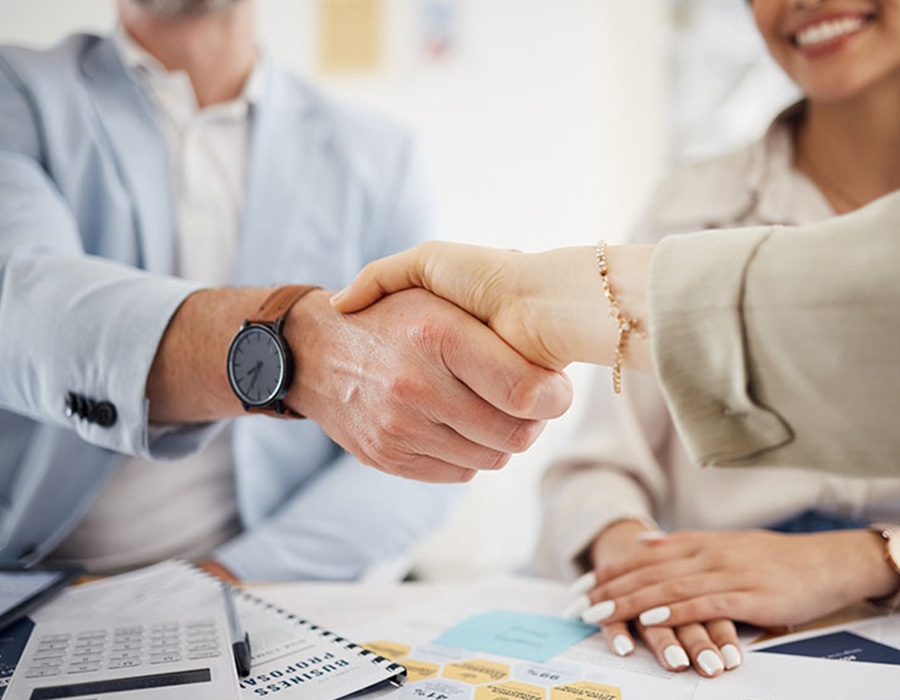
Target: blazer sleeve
70	322
781	346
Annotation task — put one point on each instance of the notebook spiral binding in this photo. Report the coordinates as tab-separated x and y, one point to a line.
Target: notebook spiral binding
398	670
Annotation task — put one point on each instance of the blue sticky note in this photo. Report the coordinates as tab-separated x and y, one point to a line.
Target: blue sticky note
518	635
845	646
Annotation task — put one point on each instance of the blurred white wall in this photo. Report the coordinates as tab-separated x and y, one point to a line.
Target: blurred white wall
547	127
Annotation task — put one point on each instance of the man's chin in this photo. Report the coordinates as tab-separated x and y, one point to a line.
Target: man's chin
185	8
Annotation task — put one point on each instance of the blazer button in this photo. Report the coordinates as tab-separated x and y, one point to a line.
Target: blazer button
104	414
76	405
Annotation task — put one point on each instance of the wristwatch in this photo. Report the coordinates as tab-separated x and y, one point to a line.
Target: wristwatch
260	362
891	535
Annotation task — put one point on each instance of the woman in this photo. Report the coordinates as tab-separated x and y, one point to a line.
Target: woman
807	168
834	153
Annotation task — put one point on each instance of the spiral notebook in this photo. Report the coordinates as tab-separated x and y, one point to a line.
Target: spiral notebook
295	658
164	628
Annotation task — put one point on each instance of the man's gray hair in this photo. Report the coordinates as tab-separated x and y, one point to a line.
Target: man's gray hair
185	8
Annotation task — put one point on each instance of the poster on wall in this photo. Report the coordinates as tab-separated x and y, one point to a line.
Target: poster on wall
351	36
439	26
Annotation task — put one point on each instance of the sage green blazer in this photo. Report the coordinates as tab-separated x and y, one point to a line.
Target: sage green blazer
779	346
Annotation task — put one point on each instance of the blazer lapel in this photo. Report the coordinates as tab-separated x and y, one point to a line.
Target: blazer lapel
286	156
140	152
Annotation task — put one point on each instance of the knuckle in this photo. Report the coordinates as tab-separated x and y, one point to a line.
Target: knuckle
428	334
606	571
497	460
522	394
393	431
600	594
384	448
380	456
719	606
407	389
427	249
678	589
466	476
523	435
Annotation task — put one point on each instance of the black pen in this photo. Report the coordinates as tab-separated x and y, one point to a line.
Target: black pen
240	640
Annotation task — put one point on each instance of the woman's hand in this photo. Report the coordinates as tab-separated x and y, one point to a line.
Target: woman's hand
548	306
760	577
711	647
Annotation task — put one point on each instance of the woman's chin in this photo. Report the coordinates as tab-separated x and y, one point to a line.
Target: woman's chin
834	88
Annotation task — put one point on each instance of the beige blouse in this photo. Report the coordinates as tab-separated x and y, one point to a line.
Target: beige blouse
627	460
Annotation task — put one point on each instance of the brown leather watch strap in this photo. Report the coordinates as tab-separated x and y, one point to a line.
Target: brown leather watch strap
275	307
279	302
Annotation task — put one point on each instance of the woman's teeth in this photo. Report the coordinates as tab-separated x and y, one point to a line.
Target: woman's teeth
829	30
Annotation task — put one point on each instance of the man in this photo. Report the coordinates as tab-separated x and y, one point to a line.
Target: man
140	175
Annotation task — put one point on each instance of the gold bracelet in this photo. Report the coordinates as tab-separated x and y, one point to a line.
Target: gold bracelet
626	324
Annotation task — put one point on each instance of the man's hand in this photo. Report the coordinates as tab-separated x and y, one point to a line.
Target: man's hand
416	387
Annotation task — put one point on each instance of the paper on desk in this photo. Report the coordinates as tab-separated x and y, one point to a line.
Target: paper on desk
781	677
588	670
516	634
172	586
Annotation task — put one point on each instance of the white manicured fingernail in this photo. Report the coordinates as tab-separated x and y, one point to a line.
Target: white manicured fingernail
655	616
576	607
710	662
732	656
623	645
599	612
676	657
650	536
583	584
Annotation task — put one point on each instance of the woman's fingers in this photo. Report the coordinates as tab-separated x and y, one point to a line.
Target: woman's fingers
740	605
657	604
725	637
380	278
651	552
703	653
646	577
619	638
472	277
664	644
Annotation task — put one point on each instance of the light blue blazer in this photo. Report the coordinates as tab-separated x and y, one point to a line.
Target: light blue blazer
87	235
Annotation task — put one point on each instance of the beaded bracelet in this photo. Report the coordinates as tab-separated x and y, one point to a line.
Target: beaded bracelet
625	323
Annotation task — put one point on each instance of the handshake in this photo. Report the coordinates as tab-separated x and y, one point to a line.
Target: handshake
437	383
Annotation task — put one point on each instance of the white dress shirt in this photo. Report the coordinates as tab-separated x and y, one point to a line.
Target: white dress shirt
185	508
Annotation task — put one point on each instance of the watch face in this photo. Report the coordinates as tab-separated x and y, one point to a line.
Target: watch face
257	366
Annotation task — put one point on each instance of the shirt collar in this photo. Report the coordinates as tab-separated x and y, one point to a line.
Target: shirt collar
141	62
776	183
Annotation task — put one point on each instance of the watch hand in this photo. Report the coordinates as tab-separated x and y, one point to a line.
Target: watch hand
255	373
